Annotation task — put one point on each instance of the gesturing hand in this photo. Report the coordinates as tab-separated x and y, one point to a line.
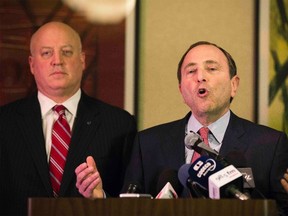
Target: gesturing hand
284	181
88	179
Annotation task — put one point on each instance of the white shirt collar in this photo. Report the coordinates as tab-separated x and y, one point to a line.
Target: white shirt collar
217	128
46	104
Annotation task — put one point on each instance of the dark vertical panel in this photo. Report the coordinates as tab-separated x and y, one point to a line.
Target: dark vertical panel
256	65
136	69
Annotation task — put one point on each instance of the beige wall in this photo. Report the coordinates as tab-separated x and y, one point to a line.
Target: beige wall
167	28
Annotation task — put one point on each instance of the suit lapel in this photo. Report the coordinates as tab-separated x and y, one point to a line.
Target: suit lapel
31	128
232	139
174	147
86	124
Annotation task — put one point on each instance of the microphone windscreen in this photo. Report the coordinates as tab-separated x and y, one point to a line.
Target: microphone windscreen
183	174
169	175
191	140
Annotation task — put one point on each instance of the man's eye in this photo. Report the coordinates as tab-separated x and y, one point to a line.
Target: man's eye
212	68
46	54
192	71
67	53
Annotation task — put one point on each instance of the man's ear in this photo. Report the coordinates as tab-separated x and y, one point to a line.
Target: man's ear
234	85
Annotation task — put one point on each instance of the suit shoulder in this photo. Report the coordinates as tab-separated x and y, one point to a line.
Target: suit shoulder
168	126
106	108
14	106
258	128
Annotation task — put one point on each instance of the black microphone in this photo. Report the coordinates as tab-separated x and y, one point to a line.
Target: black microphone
169	176
134	190
196	190
248	177
221	181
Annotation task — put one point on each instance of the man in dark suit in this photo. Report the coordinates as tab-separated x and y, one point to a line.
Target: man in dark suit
208	82
99	131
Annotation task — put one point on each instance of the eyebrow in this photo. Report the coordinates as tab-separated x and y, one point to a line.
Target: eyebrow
64	46
211	62
189	65
205	62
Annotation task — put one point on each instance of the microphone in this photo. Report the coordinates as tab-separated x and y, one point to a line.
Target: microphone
195	142
238	159
248	177
195	189
134	190
167	192
168	184
169	175
221	181
249	183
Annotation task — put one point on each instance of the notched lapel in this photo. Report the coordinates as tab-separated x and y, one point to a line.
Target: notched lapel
31	127
174	147
232	139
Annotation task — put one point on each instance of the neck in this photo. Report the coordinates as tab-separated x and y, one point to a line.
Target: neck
59	96
208	118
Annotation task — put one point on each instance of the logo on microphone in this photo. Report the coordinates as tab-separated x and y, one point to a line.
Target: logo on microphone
247	177
204	167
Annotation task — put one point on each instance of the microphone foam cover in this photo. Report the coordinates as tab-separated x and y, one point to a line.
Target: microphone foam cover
183	174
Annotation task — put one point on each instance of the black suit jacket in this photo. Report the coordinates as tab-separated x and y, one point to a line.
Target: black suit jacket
100	130
245	144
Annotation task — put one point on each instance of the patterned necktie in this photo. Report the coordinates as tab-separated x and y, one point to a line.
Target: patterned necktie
204	131
61	136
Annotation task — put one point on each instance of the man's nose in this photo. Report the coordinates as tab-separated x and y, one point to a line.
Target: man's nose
201	76
57	59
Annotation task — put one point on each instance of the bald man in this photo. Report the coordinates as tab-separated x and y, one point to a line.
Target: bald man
101	135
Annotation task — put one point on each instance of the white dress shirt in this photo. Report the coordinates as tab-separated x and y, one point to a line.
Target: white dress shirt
215	137
49	116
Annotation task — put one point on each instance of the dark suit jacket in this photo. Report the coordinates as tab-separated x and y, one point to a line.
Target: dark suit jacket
100	130
162	148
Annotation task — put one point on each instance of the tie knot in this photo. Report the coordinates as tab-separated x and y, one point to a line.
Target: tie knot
204	131
60	109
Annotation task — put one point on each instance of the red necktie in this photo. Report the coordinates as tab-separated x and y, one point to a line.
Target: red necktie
61	136
204	131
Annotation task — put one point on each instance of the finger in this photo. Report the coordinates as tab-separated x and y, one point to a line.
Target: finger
87	186
89	192
88	181
84	174
90	162
91	187
286	176
284	184
80	168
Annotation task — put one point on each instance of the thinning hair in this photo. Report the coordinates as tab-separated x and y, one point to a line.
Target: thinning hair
230	60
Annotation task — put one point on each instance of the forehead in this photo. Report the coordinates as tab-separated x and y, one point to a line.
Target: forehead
204	53
55	36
